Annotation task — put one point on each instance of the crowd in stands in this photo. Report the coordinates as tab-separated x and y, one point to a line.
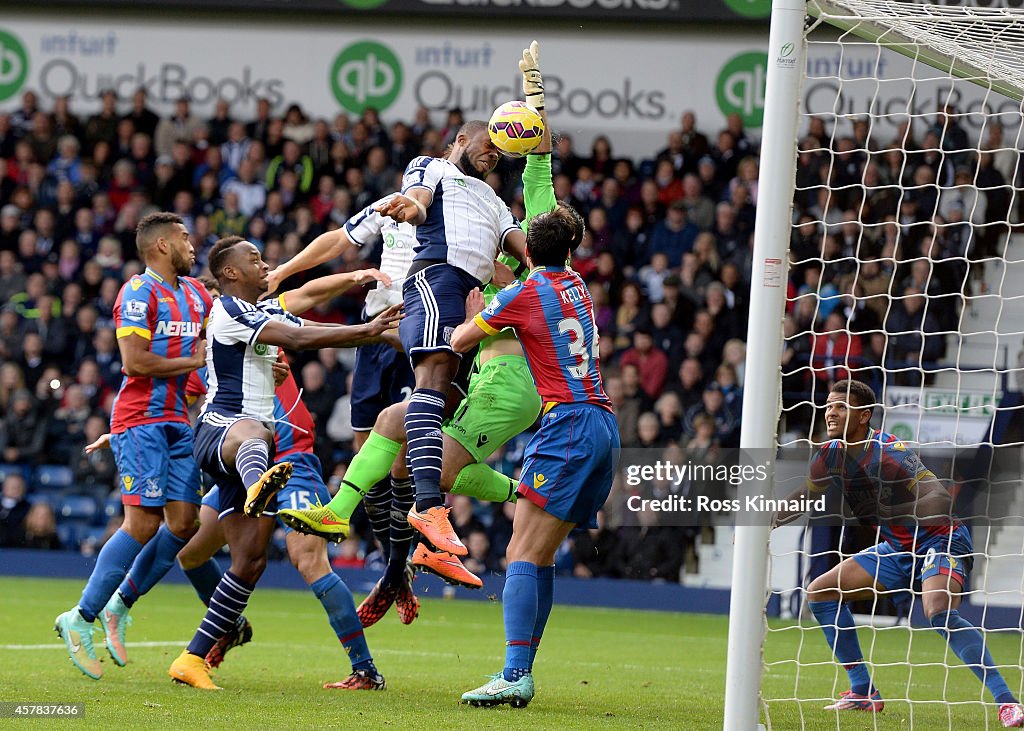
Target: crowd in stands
667	260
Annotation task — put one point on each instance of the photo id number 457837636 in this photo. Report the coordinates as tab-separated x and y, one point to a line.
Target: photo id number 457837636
52	710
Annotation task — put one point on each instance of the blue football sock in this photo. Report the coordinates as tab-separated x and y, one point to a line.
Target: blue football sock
401	532
251	461
545	598
111	567
969	645
226	605
341	612
152	564
205	578
519	600
837	623
423	429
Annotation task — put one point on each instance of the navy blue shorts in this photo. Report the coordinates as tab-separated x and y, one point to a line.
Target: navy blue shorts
382	377
570	462
435	304
156	464
209	438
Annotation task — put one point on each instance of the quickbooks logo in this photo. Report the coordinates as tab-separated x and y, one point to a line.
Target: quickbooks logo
751	8
13	65
366	74
740	87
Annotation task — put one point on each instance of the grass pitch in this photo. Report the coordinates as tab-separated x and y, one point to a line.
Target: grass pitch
597	669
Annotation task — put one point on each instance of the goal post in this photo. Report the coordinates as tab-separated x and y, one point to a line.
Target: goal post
762	387
950	55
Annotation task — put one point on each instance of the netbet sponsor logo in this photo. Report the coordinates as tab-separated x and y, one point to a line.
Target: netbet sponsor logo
363	4
366	74
175	328
601	4
739	88
13	65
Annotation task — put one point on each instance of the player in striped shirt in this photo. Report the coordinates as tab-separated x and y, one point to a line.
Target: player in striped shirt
382	377
501	402
570	462
160	316
461	226
924	547
293	438
234	435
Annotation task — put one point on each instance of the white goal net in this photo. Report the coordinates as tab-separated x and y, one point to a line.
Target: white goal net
906	273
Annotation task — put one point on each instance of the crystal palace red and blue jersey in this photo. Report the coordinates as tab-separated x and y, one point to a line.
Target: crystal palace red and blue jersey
294	430
553	317
172	320
882	471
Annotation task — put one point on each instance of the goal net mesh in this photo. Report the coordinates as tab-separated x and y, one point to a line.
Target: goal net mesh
906	274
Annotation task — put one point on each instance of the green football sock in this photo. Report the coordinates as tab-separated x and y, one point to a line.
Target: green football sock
484	483
370	466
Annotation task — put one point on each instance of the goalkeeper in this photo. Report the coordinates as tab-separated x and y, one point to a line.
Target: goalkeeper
887	485
502	401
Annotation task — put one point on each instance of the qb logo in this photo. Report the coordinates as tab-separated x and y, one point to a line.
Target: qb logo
366	74
13	65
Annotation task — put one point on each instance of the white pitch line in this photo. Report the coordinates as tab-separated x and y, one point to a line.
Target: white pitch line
62	646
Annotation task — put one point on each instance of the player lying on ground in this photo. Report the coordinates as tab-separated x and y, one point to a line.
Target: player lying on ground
570	462
234	434
294	437
160	315
501	402
924	548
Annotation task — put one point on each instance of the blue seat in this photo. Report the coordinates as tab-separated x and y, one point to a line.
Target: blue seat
112	507
78	507
71	534
13	469
51	499
54	476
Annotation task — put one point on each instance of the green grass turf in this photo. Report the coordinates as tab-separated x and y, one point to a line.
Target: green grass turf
598	669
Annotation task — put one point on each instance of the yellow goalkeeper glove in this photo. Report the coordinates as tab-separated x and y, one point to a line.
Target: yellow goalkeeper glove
533	83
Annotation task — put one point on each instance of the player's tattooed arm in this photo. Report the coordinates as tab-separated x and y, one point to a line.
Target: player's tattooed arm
324	289
324	248
138	360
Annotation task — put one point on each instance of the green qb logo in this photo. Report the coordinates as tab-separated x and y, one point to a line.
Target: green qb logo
366	74
260	348
740	87
13	65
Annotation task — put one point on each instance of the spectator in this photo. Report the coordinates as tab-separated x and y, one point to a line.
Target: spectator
41	528
144	119
834	351
181	126
669	410
650	361
22	430
713	406
649	551
102	126
593	550
13	510
479	560
675	235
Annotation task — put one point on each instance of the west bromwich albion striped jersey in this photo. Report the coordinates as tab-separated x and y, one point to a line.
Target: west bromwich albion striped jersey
882	471
466	221
294	429
172	320
399	240
240	372
553	317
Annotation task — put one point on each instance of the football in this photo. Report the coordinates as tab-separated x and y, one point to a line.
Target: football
516	128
